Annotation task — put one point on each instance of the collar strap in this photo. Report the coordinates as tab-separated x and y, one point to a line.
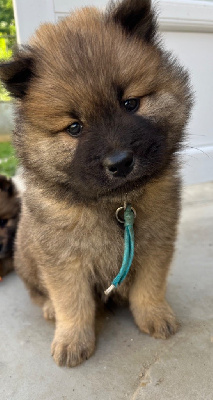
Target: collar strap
129	216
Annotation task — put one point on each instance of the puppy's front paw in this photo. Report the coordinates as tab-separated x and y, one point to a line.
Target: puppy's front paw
157	320
71	350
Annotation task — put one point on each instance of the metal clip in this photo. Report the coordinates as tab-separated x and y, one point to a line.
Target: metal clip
123	208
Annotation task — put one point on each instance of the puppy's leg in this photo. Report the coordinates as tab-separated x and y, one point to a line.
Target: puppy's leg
74	305
151	312
6	265
48	310
36	295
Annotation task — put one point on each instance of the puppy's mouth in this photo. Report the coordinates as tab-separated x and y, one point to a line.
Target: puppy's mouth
112	185
124	187
137	178
117	173
116	188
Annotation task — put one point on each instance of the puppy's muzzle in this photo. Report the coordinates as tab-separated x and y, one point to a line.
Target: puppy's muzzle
119	164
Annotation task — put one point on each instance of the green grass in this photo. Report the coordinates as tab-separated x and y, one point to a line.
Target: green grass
4	95
8	161
5	54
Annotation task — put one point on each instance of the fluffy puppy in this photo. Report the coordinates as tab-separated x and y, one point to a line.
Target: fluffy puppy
101	112
9	211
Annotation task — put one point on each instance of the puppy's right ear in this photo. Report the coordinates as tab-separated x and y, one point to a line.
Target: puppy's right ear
17	73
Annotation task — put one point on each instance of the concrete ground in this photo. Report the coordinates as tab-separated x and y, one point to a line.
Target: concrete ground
127	364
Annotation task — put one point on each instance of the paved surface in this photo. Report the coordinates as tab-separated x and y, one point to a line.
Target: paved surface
127	364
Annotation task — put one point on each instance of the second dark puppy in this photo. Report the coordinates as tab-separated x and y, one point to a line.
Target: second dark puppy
9	213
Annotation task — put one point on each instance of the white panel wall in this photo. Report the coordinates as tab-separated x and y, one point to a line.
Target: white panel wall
195	51
187	28
67	5
29	14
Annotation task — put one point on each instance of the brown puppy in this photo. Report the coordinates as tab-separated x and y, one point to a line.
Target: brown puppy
101	112
9	211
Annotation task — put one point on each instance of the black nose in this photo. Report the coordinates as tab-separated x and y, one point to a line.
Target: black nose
120	163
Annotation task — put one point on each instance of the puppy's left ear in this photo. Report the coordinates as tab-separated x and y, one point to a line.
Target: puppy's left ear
16	74
136	17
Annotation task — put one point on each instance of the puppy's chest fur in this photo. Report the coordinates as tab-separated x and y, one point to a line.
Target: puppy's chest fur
91	234
64	235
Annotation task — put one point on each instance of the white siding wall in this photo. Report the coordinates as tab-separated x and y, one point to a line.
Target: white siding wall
187	28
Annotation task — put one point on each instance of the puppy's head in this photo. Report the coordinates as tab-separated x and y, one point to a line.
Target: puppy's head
102	108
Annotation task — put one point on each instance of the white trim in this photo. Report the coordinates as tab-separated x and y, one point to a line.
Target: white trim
174	15
60	15
185	15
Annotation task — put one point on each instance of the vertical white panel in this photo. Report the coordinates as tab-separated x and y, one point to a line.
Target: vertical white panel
195	52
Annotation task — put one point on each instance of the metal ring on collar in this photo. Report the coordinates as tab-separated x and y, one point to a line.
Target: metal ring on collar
120	209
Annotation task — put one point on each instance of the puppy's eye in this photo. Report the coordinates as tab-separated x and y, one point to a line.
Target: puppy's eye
3	222
131	105
74	129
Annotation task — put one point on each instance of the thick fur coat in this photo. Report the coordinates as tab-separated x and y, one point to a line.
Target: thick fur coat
93	89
